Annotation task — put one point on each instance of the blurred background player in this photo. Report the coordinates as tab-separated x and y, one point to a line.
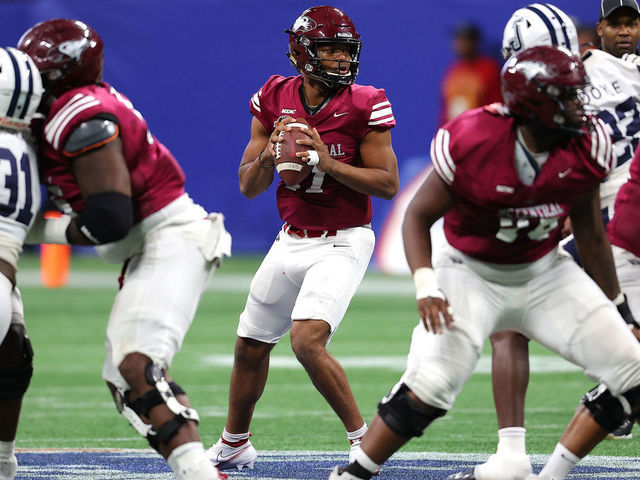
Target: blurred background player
314	267
615	93
20	93
124	192
473	79
504	225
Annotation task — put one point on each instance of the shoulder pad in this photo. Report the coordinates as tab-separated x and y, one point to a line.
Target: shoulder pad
89	135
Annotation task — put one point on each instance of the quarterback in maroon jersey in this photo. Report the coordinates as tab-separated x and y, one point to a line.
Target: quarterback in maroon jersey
505	178
124	192
312	271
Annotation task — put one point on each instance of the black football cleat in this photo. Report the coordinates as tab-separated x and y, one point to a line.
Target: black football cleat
623	432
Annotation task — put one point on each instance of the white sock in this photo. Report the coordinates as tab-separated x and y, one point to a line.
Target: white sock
358	433
234	437
6	450
365	462
512	440
560	462
185	455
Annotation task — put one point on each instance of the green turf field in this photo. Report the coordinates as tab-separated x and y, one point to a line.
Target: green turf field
68	406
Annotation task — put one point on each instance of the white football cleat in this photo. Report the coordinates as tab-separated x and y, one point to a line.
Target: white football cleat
8	468
202	470
504	467
226	457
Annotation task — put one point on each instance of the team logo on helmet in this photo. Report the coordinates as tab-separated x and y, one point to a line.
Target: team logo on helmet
304	24
71	49
531	70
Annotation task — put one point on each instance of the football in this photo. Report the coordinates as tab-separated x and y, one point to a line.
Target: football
292	169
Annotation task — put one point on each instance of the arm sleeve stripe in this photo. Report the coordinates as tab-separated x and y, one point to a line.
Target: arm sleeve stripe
381	113
55	128
387	119
255	101
601	150
441	158
95	145
381	104
56	117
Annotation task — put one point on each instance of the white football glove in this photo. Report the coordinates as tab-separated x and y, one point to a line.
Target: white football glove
631	58
48	230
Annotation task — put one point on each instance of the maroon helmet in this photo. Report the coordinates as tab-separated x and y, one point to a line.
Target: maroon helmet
67	52
543	85
323	25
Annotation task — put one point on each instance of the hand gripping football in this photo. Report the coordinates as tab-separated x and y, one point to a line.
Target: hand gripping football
292	169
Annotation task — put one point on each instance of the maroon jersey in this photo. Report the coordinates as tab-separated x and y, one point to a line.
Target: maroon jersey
320	202
624	228
496	218
156	177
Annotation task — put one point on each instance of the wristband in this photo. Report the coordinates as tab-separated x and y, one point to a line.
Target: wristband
620	298
424	279
262	164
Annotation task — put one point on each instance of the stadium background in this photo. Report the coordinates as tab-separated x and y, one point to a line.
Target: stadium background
190	67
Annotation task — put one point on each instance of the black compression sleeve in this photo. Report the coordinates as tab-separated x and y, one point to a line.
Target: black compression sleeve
107	218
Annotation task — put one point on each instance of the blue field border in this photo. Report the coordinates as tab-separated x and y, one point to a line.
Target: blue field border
133	464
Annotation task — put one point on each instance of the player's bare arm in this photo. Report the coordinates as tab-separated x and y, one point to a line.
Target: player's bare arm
258	160
379	177
593	244
431	201
99	171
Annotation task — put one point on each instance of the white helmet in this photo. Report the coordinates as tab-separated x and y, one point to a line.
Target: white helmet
539	24
20	89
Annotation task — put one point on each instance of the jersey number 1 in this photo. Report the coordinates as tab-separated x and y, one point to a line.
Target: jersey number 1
316	182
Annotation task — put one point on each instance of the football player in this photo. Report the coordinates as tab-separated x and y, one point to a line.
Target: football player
505	178
20	94
124	192
615	92
318	258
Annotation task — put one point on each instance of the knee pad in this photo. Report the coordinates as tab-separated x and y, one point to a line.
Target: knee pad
608	411
15	375
163	392
403	416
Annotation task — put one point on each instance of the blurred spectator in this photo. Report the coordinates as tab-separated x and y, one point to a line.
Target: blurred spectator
587	37
473	79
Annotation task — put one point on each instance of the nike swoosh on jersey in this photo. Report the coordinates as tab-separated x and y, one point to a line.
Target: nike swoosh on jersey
336	114
565	173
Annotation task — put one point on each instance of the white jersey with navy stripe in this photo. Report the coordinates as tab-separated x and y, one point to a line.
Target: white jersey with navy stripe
615	91
19	185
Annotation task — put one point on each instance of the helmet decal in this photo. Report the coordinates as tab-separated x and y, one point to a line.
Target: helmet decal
72	49
303	24
530	69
